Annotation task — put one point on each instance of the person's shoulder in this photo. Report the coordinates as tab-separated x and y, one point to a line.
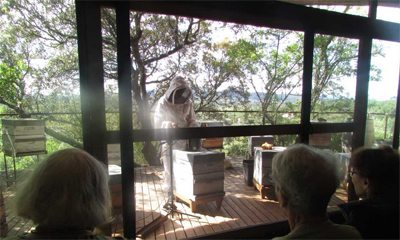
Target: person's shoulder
347	231
354	206
281	238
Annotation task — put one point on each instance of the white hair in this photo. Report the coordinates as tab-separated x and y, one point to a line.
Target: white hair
306	177
69	188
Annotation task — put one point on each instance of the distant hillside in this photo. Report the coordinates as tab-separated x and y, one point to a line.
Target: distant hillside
291	98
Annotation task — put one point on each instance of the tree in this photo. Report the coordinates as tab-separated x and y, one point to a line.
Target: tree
270	62
267	61
30	36
157	44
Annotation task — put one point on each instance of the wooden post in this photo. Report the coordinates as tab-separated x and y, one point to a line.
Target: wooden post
361	98
3	216
307	86
88	20
125	119
396	131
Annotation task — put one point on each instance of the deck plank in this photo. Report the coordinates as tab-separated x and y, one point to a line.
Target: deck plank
241	207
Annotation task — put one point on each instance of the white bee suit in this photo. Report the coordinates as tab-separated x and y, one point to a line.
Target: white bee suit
170	114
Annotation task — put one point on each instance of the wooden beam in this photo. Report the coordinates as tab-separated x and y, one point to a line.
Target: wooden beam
396	130
125	119
276	14
361	99
386	3
141	135
91	78
307	86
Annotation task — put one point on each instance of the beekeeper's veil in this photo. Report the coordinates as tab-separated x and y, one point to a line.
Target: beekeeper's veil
179	91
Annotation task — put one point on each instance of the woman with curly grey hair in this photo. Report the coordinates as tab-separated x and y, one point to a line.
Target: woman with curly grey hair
66	195
305	179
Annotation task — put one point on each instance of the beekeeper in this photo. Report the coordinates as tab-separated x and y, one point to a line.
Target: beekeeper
174	110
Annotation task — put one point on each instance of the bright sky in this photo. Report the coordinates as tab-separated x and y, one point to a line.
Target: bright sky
389	65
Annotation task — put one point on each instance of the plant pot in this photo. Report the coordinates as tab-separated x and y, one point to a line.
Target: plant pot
248	170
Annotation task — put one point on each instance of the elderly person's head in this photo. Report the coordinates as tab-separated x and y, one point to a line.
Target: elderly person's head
305	179
69	189
375	173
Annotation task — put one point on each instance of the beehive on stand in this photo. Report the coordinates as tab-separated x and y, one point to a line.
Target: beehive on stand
199	177
262	176
23	136
257	141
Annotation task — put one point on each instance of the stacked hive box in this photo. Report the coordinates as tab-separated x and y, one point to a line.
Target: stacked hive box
257	141
212	143
199	176
23	137
262	177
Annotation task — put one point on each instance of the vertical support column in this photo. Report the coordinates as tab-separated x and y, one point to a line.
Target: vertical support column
361	98
88	19
3	215
396	133
125	118
307	85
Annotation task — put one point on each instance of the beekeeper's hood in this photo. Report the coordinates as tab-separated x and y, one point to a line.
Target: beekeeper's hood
179	91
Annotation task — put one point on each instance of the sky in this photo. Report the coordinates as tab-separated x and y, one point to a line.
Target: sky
389	65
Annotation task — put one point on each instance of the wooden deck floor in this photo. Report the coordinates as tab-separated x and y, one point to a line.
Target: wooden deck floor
241	207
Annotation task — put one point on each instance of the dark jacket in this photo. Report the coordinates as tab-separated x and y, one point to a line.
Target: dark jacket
373	219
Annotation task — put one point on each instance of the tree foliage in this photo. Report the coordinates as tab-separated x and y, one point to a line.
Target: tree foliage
39	66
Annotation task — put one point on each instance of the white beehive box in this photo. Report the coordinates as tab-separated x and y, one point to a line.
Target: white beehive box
200	184
198	173
27	126
198	162
263	164
23	144
23	136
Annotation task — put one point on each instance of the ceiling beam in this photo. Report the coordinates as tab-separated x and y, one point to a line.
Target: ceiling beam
275	14
383	3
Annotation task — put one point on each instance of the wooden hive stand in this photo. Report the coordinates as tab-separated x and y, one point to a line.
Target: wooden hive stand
196	200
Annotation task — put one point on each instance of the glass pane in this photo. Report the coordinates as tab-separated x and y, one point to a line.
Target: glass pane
334	78
340	145
352	10
110	71
387	13
382	93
